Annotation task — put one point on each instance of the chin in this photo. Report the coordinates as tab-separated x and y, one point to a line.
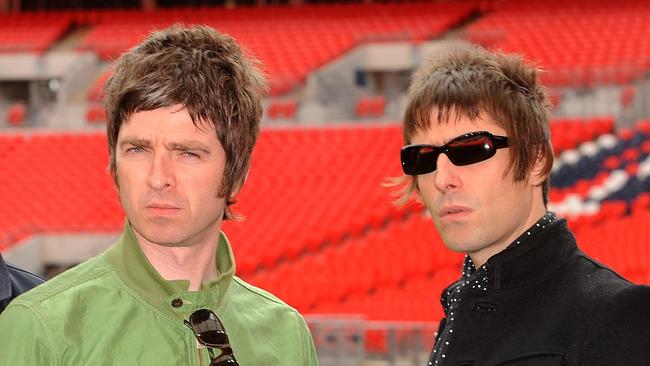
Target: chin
457	247
160	236
458	244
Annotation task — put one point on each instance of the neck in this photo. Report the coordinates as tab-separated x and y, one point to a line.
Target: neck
195	264
481	257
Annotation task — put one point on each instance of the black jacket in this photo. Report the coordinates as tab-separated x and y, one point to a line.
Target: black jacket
549	304
13	282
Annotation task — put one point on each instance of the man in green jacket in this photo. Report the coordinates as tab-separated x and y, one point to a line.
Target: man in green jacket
183	112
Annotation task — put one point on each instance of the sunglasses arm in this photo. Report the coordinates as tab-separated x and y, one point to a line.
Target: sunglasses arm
187	324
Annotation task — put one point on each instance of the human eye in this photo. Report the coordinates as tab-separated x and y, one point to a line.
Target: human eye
190	154
135	149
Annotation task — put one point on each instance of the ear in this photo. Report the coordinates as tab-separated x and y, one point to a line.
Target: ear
235	190
537	176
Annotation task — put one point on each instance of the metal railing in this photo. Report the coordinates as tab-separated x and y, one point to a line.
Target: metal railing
350	340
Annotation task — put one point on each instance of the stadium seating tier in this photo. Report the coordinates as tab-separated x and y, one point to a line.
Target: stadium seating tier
320	230
579	43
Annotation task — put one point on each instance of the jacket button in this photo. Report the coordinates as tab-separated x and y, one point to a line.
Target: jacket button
177	303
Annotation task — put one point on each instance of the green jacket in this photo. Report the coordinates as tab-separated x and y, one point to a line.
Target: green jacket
115	309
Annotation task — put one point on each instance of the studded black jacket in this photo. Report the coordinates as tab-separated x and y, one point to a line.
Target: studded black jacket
549	304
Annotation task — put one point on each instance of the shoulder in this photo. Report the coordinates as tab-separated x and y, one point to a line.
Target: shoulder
630	305
621	332
38	317
246	291
598	280
265	305
265	310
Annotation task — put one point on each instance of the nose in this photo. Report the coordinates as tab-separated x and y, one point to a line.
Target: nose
161	175
446	178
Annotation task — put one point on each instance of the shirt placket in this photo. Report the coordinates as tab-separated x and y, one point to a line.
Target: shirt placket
470	278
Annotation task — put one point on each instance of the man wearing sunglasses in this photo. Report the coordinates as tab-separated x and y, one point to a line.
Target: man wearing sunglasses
183	111
478	155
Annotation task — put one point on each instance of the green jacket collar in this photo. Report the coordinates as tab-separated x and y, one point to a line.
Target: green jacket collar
170	297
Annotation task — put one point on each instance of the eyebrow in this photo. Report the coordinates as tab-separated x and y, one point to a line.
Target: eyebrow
134	141
187	145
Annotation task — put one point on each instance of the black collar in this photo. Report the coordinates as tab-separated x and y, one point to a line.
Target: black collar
533	258
5	281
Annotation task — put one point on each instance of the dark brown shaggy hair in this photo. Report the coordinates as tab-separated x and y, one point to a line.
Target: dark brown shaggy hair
204	71
467	80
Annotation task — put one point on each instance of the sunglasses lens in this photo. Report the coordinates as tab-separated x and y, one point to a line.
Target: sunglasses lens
214	338
208	328
226	360
419	160
471	150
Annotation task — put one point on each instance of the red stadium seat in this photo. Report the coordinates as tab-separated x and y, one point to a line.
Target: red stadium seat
96	114
284	109
371	107
16	114
627	95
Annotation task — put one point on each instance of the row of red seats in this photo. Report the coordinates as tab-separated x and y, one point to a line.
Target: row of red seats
384	257
282	109
259	13
567	133
27	37
628	160
367	107
620	243
54	183
344	167
371	107
577	43
405	250
611	211
290	47
629	155
616	242
96	114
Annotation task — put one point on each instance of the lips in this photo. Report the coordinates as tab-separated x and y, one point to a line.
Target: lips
453	211
163	206
162	209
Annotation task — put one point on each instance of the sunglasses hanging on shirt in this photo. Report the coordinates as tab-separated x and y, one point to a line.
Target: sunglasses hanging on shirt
467	149
210	332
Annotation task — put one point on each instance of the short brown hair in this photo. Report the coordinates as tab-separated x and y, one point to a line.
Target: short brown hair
204	71
468	80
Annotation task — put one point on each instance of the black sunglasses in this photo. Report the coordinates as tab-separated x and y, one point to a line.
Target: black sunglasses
467	149
210	332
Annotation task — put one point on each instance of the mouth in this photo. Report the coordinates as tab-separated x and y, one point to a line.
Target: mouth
162	209
454	212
